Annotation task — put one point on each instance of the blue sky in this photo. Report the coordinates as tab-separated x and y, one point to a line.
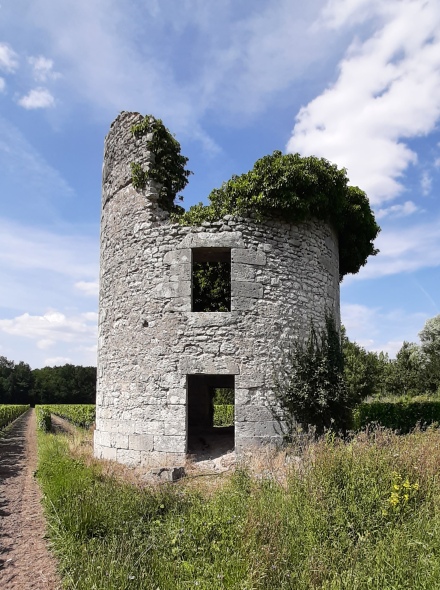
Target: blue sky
354	81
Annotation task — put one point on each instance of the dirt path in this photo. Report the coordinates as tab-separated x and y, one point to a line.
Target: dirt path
25	562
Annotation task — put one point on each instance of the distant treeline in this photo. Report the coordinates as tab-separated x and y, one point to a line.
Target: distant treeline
69	384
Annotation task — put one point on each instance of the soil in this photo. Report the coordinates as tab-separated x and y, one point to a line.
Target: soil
25	560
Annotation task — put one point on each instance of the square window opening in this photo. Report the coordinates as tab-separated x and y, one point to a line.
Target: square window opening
211	279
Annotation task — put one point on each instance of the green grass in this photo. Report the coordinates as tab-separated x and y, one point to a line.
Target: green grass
357	515
223	414
9	412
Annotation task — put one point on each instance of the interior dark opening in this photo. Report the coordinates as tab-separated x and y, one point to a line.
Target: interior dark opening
211	279
203	434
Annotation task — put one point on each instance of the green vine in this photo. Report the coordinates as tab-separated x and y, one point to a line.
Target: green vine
296	189
169	167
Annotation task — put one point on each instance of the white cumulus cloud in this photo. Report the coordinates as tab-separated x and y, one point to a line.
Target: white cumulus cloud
43	69
403	250
8	58
38	98
386	91
403	210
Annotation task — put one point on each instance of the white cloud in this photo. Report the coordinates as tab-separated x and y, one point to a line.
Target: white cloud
426	183
437	163
51	328
2	84
407	208
29	248
38	98
238	57
43	69
90	288
403	250
387	90
379	330
8	58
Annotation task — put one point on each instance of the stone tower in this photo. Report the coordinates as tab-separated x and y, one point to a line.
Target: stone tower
158	360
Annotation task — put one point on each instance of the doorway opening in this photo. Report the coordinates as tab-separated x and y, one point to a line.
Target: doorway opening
211	404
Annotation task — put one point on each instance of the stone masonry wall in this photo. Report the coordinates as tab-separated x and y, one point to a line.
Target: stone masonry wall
282	277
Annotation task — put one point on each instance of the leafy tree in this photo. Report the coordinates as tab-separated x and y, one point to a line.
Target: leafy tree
430	345
362	369
407	374
310	386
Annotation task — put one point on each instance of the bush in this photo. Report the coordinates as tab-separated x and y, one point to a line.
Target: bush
223	415
401	415
44	420
310	385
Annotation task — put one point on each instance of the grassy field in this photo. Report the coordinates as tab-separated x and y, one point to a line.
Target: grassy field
363	514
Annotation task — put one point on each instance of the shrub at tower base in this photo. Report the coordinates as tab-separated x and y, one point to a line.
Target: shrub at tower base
310	385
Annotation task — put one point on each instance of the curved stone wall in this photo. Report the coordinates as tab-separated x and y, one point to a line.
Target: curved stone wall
282	278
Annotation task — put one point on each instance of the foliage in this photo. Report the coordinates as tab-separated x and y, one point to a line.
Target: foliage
224	396
82	415
310	385
44	419
169	164
401	415
297	189
16	382
329	524
362	369
408	373
430	347
8	413
65	384
223	414
211	286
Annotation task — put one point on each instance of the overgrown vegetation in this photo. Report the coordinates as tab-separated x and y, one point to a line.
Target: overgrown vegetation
82	415
358	515
297	189
211	286
169	167
309	384
402	415
223	414
8	413
44	418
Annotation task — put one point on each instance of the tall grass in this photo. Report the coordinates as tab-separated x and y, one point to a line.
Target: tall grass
357	515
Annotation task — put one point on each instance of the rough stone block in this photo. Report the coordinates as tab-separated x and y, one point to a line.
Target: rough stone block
172	289
246	289
170	444
105	453
129	458
208	365
242	304
242	272
140	442
169	474
223	239
177	257
119	441
248	256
